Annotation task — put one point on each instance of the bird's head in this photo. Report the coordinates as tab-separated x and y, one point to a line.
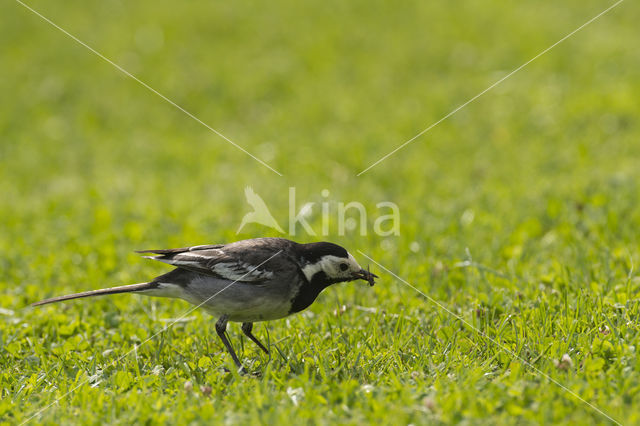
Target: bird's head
328	263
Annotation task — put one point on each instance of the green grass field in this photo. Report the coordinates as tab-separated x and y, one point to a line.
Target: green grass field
520	213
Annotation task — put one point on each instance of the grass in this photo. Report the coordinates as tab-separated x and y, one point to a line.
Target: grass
519	213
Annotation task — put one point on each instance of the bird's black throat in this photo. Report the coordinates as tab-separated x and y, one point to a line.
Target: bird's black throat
309	291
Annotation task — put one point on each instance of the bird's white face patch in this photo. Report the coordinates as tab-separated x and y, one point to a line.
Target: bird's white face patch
334	267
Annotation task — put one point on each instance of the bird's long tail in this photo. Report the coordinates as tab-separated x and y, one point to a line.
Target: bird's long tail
103	291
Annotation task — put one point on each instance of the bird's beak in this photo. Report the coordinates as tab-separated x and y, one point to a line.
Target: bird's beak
365	274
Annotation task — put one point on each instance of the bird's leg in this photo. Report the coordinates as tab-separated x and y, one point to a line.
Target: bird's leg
246	329
221	327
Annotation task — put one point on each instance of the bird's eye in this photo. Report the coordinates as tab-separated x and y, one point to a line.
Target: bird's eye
344	266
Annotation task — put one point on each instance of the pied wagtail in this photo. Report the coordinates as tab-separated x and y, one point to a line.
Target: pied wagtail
246	281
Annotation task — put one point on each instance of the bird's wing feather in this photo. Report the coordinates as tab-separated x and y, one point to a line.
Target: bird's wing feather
215	261
183	249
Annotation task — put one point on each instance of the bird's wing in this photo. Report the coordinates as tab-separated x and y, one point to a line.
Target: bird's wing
215	261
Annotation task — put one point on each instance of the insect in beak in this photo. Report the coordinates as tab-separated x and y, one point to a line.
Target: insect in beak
367	275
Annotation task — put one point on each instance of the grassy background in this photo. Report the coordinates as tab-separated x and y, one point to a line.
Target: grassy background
519	213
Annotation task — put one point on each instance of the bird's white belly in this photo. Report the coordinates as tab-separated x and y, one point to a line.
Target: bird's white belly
264	310
239	301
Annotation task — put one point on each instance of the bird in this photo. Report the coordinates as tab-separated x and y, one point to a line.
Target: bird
260	214
247	281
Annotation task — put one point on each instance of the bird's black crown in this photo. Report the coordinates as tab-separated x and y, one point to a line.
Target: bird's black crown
313	252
